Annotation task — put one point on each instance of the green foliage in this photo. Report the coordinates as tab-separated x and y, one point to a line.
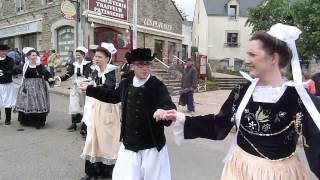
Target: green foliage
194	50
304	14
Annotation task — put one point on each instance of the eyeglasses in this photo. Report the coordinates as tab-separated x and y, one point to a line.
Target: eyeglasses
142	64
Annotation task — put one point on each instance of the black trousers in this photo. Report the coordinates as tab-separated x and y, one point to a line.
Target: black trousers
98	169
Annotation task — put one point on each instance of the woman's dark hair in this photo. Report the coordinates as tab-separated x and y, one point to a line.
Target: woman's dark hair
104	51
273	45
30	52
81	52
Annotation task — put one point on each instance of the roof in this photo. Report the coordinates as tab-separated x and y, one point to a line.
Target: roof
218	7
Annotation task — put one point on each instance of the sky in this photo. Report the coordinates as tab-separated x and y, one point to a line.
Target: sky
187	6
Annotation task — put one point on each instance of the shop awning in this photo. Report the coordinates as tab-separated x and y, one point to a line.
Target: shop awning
21	28
92	17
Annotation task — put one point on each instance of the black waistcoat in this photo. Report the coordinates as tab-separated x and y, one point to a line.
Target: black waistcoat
137	135
6	70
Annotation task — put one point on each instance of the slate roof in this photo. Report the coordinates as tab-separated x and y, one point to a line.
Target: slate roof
218	7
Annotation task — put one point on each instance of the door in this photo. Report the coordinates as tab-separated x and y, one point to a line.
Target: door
158	49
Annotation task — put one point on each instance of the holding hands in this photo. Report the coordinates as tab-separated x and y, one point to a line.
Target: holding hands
165	115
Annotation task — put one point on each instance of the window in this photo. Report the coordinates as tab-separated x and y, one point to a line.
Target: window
232	11
232	40
65	43
49	1
20	5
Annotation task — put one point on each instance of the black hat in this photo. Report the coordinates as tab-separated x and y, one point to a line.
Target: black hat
4	47
140	54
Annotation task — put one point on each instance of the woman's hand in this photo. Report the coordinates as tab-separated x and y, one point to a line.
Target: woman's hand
57	78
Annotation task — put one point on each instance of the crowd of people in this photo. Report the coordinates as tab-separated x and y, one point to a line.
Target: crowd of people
124	124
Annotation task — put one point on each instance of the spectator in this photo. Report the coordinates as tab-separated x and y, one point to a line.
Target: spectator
70	59
44	58
310	86
51	60
188	84
316	79
57	63
14	55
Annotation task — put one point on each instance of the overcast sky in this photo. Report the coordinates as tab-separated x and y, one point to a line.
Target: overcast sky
187	6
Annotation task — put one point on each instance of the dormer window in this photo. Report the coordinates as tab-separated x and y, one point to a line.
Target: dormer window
232	11
19	5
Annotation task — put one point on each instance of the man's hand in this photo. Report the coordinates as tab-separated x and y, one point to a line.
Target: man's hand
169	115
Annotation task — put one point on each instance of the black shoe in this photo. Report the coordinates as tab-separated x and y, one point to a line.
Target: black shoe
87	177
7	122
72	127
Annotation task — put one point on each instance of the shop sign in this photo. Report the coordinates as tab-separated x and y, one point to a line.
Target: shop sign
157	24
26	28
68	10
117	9
203	65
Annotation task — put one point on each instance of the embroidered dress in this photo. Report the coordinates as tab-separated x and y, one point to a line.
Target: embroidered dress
103	129
33	102
270	126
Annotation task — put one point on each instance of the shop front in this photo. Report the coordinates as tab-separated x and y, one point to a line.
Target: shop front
112	22
22	34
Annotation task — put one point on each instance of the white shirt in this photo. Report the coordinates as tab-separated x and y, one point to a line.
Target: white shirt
139	82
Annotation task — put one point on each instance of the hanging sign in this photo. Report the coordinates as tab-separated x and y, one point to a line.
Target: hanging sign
68	10
117	9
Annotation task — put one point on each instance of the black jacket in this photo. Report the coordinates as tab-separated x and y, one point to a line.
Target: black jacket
70	71
157	97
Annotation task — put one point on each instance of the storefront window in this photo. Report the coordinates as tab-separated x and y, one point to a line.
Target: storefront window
65	41
171	50
29	40
9	41
158	49
120	38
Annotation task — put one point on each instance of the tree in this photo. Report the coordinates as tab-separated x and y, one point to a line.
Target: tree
302	13
181	11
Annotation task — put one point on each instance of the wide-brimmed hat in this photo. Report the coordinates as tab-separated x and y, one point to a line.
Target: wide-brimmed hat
4	47
140	54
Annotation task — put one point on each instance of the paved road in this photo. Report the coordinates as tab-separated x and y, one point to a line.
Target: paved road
53	153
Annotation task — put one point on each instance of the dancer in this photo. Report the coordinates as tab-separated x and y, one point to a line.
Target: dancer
269	113
33	103
78	71
7	89
102	120
143	153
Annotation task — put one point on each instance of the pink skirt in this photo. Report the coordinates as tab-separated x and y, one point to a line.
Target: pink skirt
244	166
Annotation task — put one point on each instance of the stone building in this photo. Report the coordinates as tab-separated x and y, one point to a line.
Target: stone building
46	24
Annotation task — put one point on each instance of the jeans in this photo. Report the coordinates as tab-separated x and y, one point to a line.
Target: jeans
52	71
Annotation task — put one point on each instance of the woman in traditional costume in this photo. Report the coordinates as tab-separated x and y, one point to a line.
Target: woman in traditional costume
102	119
269	113
33	103
79	71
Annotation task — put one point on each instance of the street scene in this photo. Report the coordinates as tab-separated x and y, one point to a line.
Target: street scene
159	89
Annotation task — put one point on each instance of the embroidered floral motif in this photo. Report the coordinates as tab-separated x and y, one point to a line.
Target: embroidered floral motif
279	116
262	115
266	127
252	125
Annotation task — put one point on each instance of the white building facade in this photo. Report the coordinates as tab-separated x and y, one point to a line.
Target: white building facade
220	33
